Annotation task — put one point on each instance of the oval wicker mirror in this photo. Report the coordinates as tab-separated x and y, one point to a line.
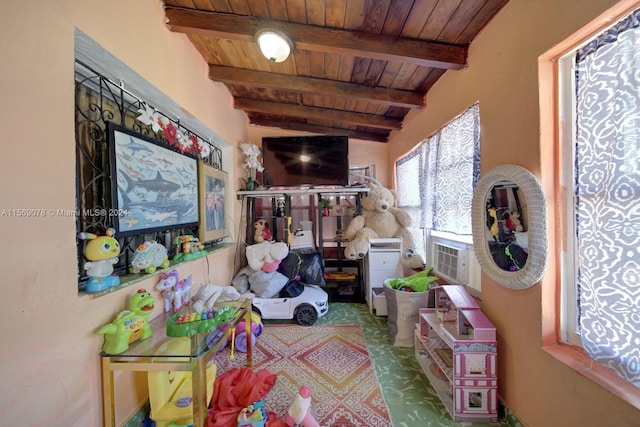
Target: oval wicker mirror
509	226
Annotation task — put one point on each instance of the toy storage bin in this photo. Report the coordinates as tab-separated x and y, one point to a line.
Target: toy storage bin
402	311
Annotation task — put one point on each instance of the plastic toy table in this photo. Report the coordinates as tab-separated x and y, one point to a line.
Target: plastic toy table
144	356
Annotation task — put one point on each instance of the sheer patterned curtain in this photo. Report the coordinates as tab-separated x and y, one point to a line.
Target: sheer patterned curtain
607	197
457	171
435	181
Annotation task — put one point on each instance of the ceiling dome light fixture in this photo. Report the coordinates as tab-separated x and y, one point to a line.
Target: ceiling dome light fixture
275	44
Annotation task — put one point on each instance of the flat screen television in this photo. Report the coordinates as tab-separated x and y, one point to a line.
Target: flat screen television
305	161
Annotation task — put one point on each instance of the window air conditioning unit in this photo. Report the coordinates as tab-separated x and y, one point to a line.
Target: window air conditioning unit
450	261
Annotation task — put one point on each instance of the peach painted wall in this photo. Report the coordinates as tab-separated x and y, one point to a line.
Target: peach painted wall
49	363
503	76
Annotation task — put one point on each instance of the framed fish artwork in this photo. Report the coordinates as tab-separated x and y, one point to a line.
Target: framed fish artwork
153	187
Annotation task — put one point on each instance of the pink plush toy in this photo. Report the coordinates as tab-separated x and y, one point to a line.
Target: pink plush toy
266	256
299	412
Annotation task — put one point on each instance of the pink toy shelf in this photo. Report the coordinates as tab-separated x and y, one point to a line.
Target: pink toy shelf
455	343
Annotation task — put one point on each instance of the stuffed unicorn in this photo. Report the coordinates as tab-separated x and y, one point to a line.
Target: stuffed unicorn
166	285
181	293
175	292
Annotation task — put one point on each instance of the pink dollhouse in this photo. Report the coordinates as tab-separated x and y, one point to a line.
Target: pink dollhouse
455	343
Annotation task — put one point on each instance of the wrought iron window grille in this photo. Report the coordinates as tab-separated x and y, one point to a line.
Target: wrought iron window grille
99	100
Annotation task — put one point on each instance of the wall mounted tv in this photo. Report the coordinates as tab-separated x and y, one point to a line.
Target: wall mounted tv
305	161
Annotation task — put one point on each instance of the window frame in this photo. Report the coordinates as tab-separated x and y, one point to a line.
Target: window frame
553	140
569	328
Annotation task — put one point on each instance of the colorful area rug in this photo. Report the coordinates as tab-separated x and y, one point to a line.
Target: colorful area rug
332	360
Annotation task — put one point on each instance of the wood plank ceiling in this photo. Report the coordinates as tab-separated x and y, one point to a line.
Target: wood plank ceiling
358	66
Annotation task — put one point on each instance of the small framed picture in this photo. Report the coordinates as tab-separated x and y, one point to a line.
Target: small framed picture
213	188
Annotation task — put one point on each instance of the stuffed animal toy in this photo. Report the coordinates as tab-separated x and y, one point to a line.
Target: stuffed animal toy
205	297
174	291
182	291
380	219
208	294
166	287
266	256
299	413
261	276
262	232
512	220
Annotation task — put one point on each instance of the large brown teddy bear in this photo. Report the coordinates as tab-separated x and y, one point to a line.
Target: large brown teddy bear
380	219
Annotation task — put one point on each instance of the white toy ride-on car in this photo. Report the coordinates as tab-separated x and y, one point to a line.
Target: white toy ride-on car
305	307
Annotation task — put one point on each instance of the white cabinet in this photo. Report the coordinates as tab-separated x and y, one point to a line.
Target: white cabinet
455	344
382	262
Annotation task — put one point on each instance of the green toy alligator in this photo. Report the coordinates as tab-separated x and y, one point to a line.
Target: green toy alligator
185	324
129	325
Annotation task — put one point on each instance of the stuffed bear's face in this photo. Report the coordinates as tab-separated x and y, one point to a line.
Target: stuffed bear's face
379	199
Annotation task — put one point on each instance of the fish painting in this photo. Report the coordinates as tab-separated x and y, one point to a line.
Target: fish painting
155	185
150	185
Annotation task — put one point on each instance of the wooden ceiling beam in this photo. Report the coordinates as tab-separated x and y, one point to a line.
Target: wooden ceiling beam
321	39
304	111
322	130
312	85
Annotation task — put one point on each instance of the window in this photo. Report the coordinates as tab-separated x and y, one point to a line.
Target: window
606	197
597	165
435	181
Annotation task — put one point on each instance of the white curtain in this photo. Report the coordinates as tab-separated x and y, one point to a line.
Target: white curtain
607	197
436	180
